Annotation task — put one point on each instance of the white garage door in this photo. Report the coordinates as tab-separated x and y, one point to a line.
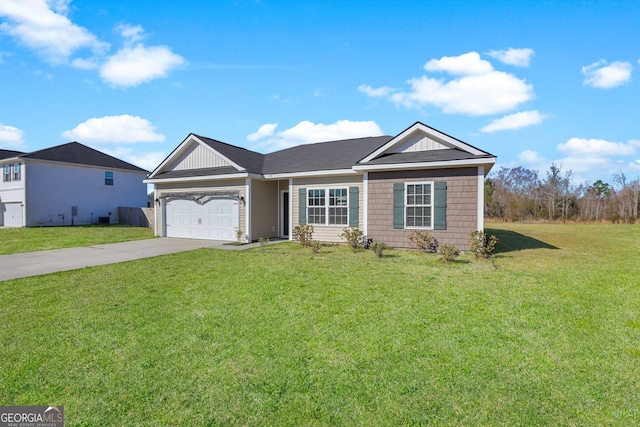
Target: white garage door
214	219
11	214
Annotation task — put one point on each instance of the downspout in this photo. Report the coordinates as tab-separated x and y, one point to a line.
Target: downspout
291	208
247	212
480	198
365	203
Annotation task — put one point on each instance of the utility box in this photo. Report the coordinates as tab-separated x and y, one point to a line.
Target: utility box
103	220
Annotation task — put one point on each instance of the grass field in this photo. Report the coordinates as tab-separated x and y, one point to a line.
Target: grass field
282	336
15	240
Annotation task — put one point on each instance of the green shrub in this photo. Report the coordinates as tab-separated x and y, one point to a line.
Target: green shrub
448	253
378	248
263	241
303	234
482	245
353	236
422	240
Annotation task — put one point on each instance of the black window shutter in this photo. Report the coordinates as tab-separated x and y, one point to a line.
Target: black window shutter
354	209
440	205
302	206
398	205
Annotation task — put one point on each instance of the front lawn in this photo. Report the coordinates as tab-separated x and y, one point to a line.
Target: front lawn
281	336
15	240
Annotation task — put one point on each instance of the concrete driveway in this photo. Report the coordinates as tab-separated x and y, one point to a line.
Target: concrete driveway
43	262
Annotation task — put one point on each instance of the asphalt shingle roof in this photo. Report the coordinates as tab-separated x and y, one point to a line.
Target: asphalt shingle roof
74	152
7	154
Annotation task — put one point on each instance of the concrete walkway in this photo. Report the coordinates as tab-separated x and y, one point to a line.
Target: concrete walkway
27	264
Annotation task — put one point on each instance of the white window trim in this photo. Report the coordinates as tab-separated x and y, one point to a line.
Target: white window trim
406	205
327	206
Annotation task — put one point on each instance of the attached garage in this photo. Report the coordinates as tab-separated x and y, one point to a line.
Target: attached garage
11	214
211	218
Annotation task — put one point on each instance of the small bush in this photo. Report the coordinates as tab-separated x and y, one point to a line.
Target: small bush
239	235
263	241
303	234
422	240
354	237
378	248
483	245
315	246
448	253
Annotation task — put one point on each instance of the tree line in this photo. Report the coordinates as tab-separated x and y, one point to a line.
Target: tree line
520	194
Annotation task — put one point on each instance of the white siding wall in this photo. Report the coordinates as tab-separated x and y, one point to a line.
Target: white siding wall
54	188
11	197
420	143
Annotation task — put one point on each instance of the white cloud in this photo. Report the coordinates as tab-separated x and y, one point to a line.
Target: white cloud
463	65
603	76
114	130
511	56
263	131
476	88
475	95
10	137
131	33
148	160
131	66
376	92
42	25
531	157
307	132
515	121
44	28
596	147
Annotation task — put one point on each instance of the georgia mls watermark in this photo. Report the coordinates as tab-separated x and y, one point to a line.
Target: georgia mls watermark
31	416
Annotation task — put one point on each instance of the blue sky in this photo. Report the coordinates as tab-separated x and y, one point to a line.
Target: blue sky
532	82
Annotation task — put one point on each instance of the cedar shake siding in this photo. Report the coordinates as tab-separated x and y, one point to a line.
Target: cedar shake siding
462	205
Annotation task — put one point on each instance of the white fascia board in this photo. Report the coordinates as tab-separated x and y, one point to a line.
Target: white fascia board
200	178
429	131
334	172
12	160
425	165
180	148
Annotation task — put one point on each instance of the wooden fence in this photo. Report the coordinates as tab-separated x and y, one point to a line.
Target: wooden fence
139	217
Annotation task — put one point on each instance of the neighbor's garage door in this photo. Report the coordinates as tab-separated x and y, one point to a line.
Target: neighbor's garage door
215	219
12	214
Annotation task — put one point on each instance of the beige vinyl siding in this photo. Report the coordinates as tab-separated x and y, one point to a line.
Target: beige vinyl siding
420	143
326	233
264	209
186	187
462	205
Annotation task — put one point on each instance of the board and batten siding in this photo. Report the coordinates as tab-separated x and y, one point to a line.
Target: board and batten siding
198	157
190	187
462	205
264	209
326	233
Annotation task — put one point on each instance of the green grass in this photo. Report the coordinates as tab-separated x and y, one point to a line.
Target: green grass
282	336
15	240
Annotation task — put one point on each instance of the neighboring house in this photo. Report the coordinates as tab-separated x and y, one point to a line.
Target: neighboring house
386	185
67	184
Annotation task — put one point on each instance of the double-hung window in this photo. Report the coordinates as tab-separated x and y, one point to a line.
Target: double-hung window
317	206
6	176
331	210
338	206
108	178
16	171
419	205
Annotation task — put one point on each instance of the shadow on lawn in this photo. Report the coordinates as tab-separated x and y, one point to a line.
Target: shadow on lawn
510	241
